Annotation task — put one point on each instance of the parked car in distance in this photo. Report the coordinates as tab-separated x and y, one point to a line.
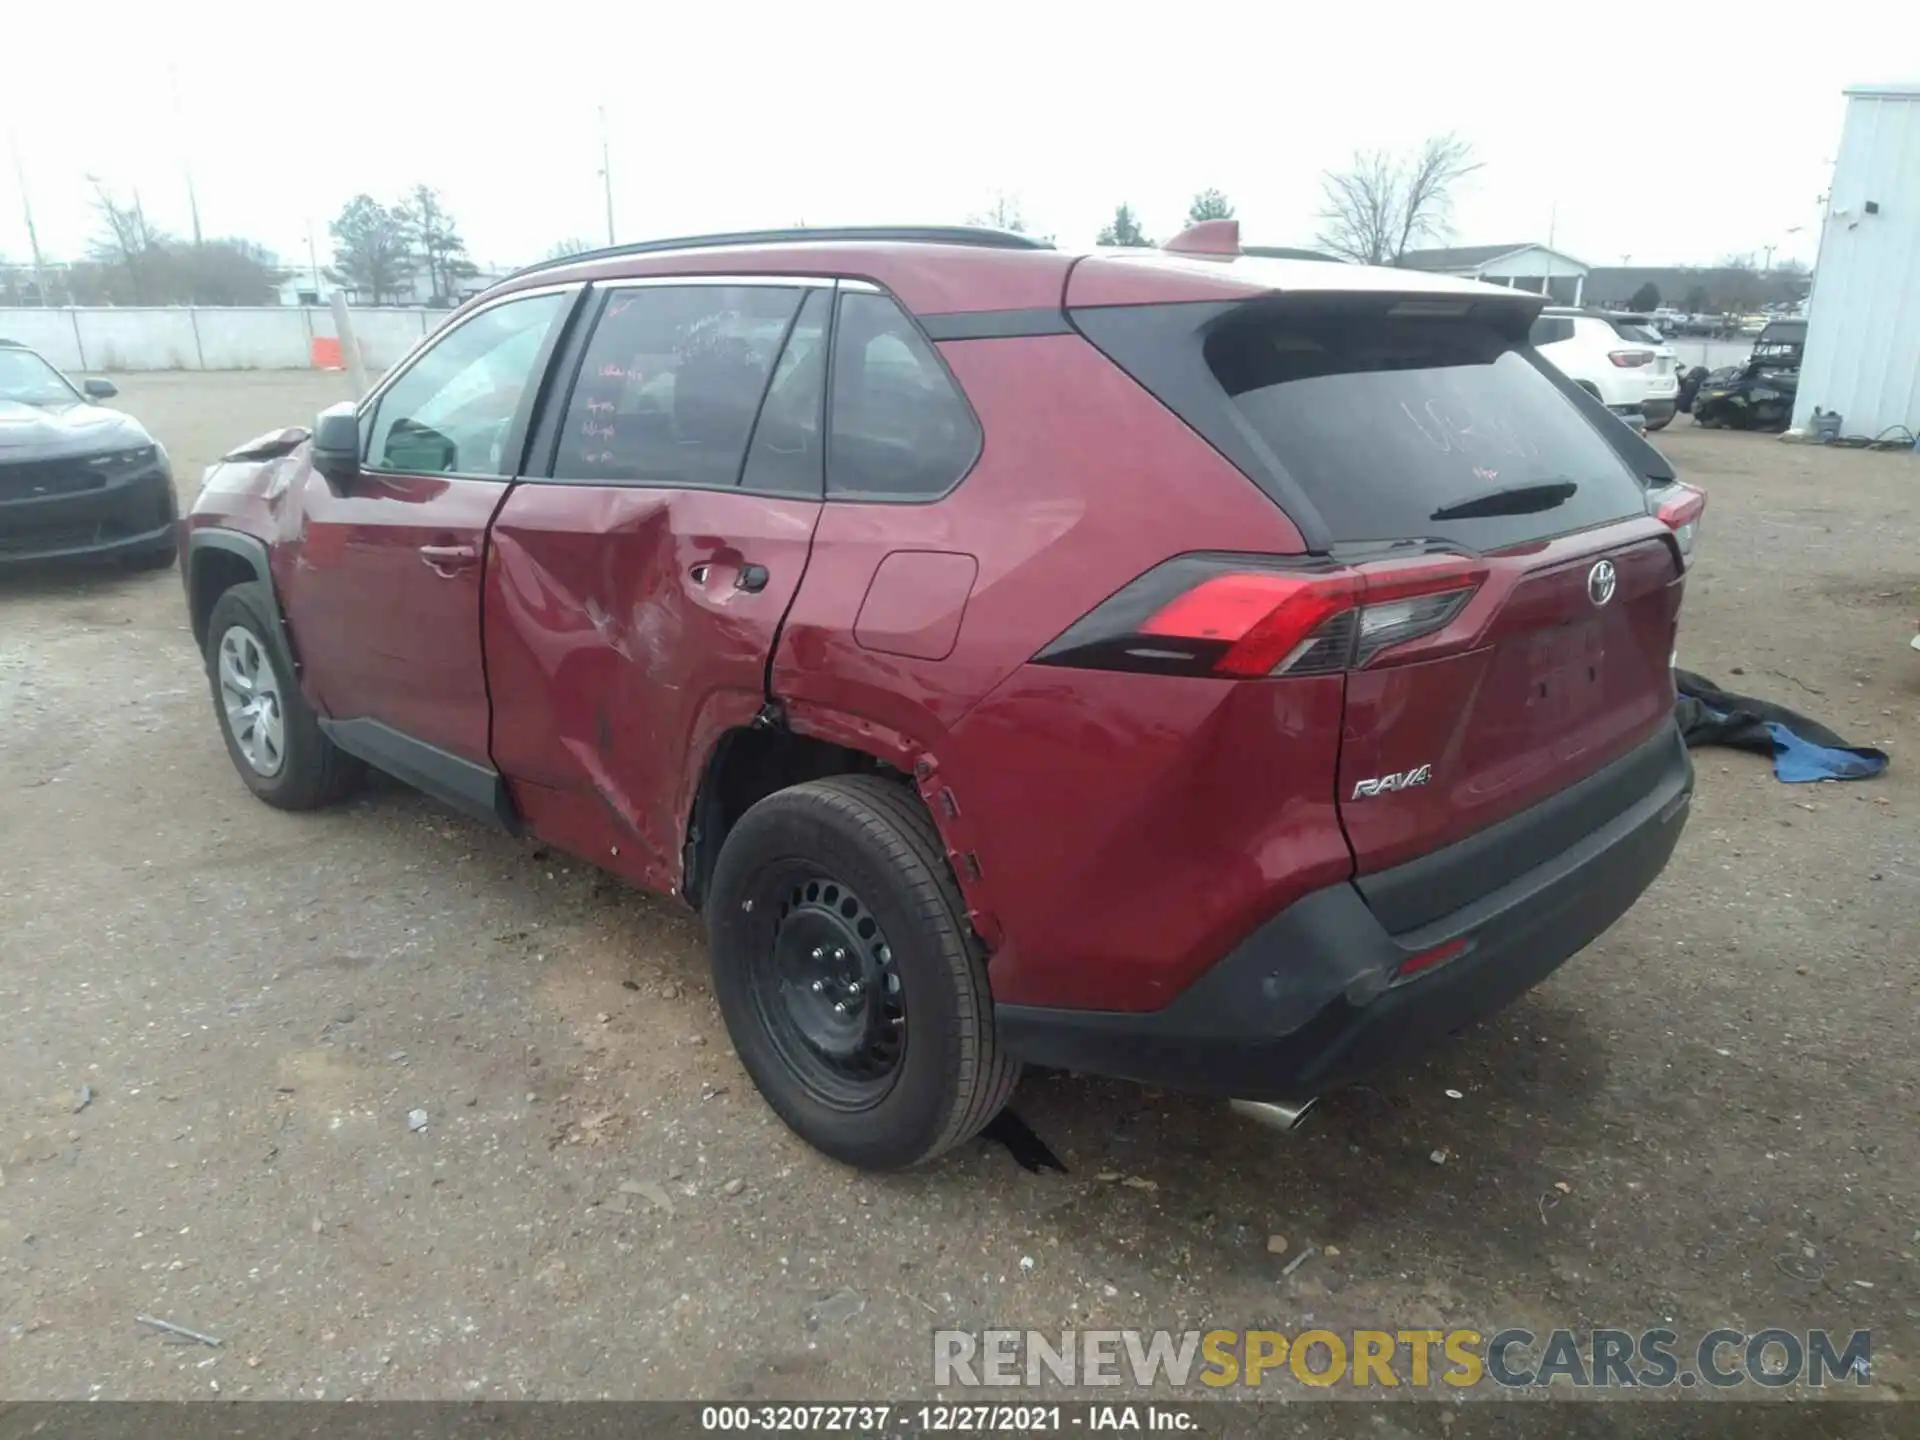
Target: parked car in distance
1617	358
78	481
1219	672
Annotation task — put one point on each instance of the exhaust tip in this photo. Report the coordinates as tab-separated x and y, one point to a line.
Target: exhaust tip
1274	1114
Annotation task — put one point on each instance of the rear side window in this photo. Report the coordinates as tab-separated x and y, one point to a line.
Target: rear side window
671	383
788	452
1404	427
901	430
1551	330
1639	331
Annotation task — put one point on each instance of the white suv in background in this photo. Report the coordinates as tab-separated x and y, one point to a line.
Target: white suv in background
1621	359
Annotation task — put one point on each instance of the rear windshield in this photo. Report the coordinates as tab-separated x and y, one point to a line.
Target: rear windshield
1420	427
1785	332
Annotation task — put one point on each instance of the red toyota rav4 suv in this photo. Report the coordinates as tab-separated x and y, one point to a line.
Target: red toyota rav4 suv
1218	672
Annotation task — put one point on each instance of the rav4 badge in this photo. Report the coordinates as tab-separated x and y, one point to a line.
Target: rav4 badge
1387	784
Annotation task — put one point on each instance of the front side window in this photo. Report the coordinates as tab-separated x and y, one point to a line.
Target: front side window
900	429
671	383
454	408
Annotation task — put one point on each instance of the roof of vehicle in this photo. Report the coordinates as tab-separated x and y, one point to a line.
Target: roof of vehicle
947	269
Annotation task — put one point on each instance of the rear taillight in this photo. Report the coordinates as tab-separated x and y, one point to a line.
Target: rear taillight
1630	359
1680	508
1238	616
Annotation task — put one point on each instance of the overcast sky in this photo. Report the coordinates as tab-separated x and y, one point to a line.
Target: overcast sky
1687	130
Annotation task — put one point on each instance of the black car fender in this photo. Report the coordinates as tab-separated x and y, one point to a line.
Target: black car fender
200	572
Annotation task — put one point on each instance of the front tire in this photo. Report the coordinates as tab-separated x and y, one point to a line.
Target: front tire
850	982
272	734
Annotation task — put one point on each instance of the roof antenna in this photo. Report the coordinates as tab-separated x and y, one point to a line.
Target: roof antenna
1219	239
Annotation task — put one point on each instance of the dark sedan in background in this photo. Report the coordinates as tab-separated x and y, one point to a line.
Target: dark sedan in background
77	481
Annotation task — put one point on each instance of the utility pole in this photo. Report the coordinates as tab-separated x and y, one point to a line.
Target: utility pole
1768	269
33	237
1553	220
186	167
606	172
313	261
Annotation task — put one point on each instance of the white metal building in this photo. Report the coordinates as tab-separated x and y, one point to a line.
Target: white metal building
1863	321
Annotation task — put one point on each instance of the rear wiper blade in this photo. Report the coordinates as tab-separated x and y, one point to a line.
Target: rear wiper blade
1513	500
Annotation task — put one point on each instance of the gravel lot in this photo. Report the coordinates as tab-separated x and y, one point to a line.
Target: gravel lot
1725	1085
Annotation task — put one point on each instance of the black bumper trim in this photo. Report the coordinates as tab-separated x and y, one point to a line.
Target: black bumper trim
162	538
1426	889
1310	998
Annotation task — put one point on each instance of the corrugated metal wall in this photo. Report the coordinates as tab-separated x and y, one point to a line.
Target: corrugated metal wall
1863	331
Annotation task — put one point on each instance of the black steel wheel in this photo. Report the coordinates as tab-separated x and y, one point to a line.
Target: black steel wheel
851	984
827	993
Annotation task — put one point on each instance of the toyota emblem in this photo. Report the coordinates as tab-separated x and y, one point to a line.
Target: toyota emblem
1600	582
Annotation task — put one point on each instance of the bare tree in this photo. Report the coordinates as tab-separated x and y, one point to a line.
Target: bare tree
127	246
1381	204
1002	213
1737	285
565	248
435	241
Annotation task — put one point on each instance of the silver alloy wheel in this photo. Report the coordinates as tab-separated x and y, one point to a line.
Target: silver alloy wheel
250	696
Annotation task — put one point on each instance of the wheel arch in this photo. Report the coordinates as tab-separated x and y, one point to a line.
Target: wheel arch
742	766
809	743
217	560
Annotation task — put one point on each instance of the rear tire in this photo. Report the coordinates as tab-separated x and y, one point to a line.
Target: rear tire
1659	425
272	734
887	1056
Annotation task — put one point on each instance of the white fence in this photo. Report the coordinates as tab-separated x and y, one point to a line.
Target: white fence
198	338
281	337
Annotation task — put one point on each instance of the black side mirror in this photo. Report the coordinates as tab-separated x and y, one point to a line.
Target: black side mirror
98	389
336	443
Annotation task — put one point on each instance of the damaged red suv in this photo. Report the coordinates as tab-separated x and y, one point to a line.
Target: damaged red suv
1219	672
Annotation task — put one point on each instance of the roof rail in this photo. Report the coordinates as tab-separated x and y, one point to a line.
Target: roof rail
913	234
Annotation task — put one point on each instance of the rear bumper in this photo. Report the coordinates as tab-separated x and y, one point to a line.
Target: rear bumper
131	516
1311	998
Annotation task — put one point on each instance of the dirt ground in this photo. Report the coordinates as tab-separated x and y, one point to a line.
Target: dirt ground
1707	1119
